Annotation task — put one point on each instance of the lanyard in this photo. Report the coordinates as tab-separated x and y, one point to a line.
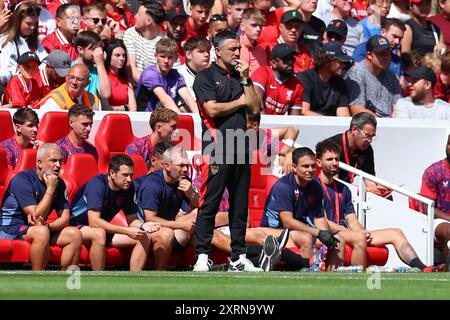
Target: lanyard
351	175
336	199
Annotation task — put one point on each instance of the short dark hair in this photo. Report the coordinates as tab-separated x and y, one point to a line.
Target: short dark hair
363	118
389	22
233	2
197	42
224	35
61	11
327	145
86	39
80	109
25	114
155	10
161	147
205	3
120	160
300	153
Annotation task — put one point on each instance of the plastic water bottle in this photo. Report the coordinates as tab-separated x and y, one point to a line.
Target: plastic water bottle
349	269
402	269
382	269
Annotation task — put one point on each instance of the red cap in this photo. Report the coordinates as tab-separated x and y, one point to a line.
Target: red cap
416	1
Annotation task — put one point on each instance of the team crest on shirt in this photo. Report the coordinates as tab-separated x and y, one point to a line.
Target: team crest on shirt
289	95
297	194
445	184
214	169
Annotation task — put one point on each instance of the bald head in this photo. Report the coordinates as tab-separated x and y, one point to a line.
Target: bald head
77	79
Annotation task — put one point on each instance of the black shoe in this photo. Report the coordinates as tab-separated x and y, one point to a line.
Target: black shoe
283	239
270	254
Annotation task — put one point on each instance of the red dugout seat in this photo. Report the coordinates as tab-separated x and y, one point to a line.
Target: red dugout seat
140	168
80	168
5	172
113	136
186	138
26	161
54	125
6	125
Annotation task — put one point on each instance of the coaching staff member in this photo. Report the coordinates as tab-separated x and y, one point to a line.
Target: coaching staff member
224	91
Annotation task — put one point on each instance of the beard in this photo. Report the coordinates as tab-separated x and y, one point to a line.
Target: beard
285	73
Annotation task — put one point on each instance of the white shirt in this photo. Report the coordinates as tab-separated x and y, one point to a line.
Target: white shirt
189	78
47	23
144	50
407	109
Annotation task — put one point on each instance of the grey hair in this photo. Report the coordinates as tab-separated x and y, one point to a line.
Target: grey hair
363	118
171	154
43	150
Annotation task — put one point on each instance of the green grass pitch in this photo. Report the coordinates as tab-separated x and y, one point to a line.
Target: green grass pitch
153	285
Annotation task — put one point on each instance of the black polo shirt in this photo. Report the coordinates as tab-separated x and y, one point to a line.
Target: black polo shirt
324	97
361	159
220	85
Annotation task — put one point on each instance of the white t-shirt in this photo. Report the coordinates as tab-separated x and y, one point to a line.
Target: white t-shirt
407	109
47	23
141	48
189	78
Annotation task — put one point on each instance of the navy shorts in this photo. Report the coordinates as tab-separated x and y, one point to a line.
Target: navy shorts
14	232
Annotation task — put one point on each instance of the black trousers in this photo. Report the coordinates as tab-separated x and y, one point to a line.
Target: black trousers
215	177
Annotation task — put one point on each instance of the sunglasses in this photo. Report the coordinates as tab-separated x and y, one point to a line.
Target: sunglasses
218	17
97	20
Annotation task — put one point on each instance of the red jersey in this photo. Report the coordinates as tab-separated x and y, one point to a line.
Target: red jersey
303	60
43	83
279	96
121	17
119	90
54	5
359	11
19	94
271	31
190	32
441	91
56	40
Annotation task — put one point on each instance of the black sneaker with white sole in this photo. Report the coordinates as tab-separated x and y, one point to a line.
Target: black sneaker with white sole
270	254
283	239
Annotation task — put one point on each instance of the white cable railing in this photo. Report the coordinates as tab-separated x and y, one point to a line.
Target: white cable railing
362	205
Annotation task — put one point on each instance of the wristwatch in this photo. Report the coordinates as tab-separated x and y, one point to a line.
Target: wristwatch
246	81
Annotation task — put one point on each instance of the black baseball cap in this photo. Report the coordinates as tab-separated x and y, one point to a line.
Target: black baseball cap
423	73
175	12
336	51
377	43
291	15
28	56
282	50
338	27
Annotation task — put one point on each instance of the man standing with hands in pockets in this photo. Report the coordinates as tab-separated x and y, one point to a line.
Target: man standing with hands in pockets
224	91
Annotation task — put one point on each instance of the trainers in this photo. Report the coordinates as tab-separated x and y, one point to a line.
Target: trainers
243	265
202	264
270	253
283	239
430	269
317	261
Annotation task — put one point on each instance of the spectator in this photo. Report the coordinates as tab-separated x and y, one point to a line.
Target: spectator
68	21
324	90
71	92
342	9
442	20
442	88
217	23
90	53
313	27
336	31
80	122
122	93
163	123
234	11
372	86
53	72
162	86
271	31
277	86
5	15
252	53
22	90
356	150
96	204
421	103
31	196
46	21
26	123
295	203
167	197
392	30
420	34
196	50
95	21
141	39
21	35
372	23
342	218
176	29
119	15
197	23
435	182
53	5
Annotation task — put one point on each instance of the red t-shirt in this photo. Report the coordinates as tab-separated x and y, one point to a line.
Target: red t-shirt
56	40
19	94
190	32
54	5
43	83
441	91
119	90
279	97
359	11
444	25
117	18
271	31
303	61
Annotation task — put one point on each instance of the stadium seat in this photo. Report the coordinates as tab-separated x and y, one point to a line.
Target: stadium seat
5	172
140	168
113	136
376	256
80	168
26	161
186	138
54	125
6	125
416	205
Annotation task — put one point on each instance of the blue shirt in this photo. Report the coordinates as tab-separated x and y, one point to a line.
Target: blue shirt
97	196
345	201
286	195
369	28
395	65
26	190
155	194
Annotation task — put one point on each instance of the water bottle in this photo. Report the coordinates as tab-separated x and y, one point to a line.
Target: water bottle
353	268
402	269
